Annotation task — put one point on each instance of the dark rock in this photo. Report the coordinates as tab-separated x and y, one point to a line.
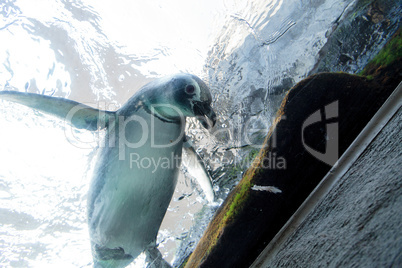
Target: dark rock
359	35
253	212
356	223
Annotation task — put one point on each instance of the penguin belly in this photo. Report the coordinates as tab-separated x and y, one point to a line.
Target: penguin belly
129	198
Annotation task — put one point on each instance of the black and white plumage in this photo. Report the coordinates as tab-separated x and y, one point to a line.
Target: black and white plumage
136	171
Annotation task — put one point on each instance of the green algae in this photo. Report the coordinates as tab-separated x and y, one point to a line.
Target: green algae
389	54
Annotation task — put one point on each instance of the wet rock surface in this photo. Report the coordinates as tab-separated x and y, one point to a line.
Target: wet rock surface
269	192
250	79
358	35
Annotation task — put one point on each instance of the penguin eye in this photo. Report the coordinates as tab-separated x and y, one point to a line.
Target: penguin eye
190	89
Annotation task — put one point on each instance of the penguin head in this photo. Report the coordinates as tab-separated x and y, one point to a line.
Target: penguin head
182	95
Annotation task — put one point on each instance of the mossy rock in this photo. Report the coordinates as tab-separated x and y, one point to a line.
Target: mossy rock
385	64
361	34
249	219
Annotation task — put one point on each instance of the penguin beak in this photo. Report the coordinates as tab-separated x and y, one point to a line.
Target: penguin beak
204	113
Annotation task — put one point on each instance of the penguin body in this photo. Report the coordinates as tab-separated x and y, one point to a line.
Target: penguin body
137	167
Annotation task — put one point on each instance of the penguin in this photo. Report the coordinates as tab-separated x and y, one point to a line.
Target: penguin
138	163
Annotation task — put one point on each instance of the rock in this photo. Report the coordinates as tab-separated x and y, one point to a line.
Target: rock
357	223
385	66
321	111
358	36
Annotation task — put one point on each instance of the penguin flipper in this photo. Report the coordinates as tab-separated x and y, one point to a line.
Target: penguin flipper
79	115
195	166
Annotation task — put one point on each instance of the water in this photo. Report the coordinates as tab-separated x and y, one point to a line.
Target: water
102	52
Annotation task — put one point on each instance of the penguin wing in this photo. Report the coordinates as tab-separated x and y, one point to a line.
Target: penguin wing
78	114
195	166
